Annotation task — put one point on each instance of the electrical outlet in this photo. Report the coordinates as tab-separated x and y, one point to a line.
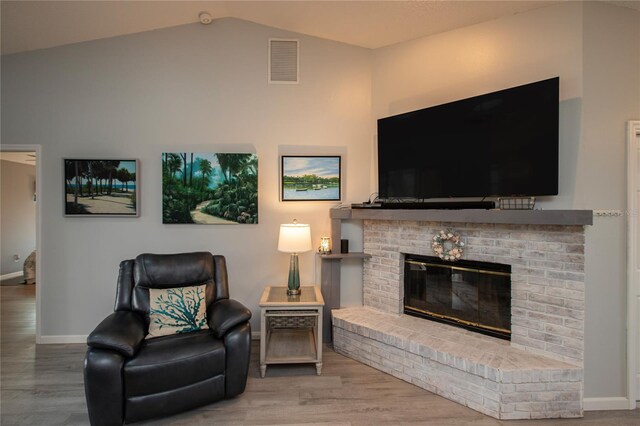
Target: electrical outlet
608	213
16	257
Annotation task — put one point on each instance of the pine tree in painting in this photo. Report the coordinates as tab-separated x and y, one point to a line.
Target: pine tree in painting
180	309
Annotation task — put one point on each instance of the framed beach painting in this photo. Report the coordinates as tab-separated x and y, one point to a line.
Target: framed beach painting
209	188
311	178
101	187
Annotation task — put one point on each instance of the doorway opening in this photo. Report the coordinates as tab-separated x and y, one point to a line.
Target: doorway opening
20	219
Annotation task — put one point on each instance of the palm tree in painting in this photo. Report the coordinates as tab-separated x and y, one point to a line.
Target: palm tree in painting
111	167
96	170
233	164
191	171
183	156
78	173
205	169
124	176
237	165
173	163
69	172
224	160
252	164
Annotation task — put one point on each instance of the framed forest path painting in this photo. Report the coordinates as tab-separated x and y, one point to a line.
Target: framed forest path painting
209	188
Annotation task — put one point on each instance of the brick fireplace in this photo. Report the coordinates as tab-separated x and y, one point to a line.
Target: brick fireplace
539	374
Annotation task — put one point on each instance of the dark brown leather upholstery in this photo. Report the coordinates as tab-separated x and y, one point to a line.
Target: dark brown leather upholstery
172	362
128	378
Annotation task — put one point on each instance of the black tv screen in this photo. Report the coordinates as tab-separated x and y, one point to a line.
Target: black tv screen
498	144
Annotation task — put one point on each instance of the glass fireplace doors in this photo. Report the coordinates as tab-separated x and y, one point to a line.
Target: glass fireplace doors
473	295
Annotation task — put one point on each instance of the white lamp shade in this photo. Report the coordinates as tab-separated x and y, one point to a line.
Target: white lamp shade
294	238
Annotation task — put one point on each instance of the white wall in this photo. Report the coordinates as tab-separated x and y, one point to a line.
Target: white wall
17	214
192	87
611	97
594	49
488	57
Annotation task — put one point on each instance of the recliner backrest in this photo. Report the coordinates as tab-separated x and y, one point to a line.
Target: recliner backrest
168	271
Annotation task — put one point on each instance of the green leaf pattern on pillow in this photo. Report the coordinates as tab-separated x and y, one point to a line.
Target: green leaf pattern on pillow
177	310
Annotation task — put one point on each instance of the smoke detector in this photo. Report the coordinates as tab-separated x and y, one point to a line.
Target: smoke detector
205	18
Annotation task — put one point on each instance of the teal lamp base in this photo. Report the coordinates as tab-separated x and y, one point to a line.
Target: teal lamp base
293	286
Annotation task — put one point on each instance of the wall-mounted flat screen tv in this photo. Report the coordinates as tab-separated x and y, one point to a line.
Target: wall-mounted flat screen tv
498	144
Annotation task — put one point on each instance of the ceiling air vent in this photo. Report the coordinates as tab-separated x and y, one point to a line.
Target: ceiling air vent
283	61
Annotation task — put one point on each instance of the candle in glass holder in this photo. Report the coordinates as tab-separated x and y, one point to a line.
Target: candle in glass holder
325	245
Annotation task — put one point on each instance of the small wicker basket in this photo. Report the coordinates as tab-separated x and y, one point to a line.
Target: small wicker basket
516	203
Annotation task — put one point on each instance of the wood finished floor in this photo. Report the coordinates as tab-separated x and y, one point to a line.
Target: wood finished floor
13	281
42	385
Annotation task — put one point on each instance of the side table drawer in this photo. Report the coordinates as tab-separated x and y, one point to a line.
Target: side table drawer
291	319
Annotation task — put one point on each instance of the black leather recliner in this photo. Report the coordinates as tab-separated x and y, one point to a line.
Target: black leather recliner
128	378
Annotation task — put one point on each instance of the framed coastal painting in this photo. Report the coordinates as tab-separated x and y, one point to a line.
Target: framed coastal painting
310	178
101	187
209	188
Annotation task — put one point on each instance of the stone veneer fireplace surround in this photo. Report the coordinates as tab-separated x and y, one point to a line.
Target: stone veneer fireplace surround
539	374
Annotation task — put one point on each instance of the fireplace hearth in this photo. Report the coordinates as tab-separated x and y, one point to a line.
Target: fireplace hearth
537	374
468	294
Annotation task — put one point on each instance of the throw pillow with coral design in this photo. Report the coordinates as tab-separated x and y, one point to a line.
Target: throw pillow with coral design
177	310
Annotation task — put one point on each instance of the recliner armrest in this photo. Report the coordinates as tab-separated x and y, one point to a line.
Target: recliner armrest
226	314
122	331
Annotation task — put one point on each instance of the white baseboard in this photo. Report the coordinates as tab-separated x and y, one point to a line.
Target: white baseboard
11	275
52	340
605	404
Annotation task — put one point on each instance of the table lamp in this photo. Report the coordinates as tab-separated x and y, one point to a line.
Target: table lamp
294	238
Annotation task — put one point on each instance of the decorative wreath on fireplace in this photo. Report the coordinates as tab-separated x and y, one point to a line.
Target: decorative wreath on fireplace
448	245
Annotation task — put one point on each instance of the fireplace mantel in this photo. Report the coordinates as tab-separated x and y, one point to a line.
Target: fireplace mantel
514	217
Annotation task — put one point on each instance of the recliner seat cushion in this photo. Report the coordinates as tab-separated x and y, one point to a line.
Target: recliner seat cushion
171	362
174	401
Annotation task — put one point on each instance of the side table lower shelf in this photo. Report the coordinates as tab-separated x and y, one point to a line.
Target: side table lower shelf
286	346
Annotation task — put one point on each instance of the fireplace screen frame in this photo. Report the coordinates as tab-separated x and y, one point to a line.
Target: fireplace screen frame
462	266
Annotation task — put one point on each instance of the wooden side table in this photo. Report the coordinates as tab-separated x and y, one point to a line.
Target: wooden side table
290	327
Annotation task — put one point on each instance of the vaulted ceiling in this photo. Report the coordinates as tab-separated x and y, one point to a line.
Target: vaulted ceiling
30	25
